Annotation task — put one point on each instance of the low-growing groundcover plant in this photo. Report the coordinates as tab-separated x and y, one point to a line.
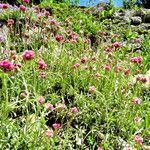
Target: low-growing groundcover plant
60	90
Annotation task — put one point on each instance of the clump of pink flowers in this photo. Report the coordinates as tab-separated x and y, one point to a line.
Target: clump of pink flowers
23	8
84	59
10	22
4	6
142	79
6	65
49	133
26	1
42	64
77	65
117	45
53	22
41	100
57	126
49	106
92	89
59	38
136	60
28	55
136	101
107	67
74	110
138	139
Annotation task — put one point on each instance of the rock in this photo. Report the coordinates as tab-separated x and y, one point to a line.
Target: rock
136	20
2	23
139	13
146	18
145	26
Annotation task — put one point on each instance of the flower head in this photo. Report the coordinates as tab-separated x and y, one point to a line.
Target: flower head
49	106
26	1
59	38
42	64
136	60
10	22
57	126
136	101
6	65
116	45
74	110
92	89
41	100
23	8
84	59
49	133
28	55
77	65
138	139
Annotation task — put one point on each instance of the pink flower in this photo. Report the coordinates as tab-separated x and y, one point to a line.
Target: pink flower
49	106
28	55
26	1
116	45
136	60
5	6
23	8
6	65
49	133
59	38
118	68
77	65
126	71
99	148
137	40
107	67
10	22
94	59
128	148
92	89
97	75
41	100
74	110
84	59
136	101
53	22
138	139
42	74
142	79
57	126
42	64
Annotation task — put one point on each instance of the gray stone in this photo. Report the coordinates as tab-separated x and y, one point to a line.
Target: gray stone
136	20
146	18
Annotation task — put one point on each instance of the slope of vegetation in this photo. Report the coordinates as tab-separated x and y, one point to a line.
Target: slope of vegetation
72	78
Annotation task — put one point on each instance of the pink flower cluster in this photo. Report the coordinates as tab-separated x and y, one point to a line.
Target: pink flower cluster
4	6
59	38
138	139
49	133
26	1
116	45
6	65
74	110
136	60
57	126
142	79
22	8
42	64
28	55
136	101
